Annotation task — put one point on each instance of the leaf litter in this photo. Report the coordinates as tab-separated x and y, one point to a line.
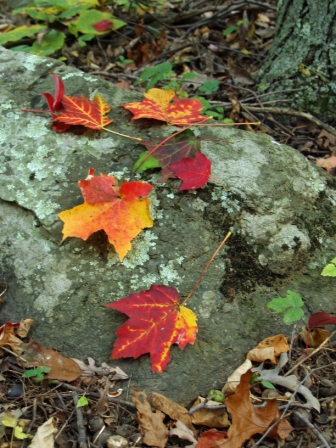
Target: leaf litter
246	412
321	144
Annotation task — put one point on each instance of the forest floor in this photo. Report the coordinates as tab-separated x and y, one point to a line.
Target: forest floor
224	47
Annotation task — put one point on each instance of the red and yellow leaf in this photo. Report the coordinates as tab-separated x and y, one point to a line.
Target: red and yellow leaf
164	105
194	173
122	212
80	110
157	320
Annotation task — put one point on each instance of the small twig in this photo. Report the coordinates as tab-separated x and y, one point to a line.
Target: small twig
312	427
31	424
269	429
206	268
310	355
97	395
291	344
64	425
80	422
5	287
15	354
203	405
295	113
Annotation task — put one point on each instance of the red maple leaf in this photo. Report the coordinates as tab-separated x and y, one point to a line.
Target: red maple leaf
121	211
157	320
80	110
174	150
194	173
164	105
103	25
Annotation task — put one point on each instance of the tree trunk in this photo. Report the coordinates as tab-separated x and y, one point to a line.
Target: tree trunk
303	56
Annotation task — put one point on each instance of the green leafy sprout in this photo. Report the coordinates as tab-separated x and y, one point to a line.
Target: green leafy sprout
266	384
291	306
38	373
330	269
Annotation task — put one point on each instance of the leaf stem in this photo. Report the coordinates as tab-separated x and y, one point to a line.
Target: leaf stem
206	267
257	123
122	135
166	140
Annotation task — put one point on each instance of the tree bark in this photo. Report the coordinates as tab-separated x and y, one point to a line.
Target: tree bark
303	56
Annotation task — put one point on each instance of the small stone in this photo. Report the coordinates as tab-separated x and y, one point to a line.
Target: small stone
96	423
117	442
125	431
102	438
136	439
270	393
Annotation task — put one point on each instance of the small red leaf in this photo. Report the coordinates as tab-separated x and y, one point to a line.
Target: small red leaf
103	25
209	438
319	319
55	103
195	172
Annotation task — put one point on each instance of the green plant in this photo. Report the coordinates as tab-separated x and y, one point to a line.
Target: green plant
209	86
123	62
164	72
153	75
291	305
330	269
38	373
82	19
216	395
82	401
233	28
266	384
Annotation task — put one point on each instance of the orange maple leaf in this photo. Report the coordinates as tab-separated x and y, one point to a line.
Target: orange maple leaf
164	105
81	110
121	211
157	320
248	420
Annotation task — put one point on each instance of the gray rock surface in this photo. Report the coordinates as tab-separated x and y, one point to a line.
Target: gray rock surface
280	208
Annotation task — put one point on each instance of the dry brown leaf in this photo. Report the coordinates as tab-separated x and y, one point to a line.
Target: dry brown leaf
234	379
44	438
247	419
8	338
154	432
239	75
174	410
328	164
62	369
91	369
213	418
24	327
269	348
313	338
263	18
183	432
